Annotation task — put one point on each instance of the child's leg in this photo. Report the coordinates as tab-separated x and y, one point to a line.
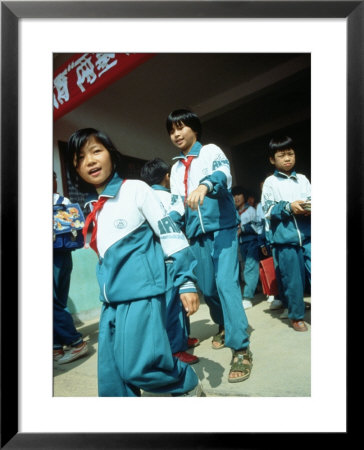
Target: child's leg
110	383
64	331
251	268
226	270
175	322
307	258
292	273
140	352
202	249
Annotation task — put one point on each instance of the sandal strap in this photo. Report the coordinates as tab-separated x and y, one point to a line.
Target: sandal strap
219	337
242	355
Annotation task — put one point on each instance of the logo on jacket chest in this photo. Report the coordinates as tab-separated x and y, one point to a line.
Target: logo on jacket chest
120	224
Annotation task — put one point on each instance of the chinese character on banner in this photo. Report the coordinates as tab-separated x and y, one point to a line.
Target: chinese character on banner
86	74
60	84
103	62
85	71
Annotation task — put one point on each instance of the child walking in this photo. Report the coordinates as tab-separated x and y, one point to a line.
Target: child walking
249	244
132	236
201	178
286	202
156	173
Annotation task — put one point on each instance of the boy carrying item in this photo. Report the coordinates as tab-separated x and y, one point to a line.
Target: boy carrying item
286	202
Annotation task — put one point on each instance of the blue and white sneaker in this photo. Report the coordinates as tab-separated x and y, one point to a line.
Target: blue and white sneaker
73	353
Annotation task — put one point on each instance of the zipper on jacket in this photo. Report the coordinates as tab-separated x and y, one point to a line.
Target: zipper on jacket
298	231
200	217
107	300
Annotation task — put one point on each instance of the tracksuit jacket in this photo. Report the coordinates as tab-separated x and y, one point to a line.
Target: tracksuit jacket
131	260
213	164
279	190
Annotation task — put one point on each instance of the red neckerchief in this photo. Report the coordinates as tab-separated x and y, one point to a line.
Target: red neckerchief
92	218
241	211
187	165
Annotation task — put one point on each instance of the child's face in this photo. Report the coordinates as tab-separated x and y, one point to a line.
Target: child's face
239	200
251	200
183	137
284	160
94	165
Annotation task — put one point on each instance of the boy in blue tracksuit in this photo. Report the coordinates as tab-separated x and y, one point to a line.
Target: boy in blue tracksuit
286	201
201	178
132	236
156	173
249	245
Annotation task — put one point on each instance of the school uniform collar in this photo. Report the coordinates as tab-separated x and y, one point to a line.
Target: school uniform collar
194	151
283	175
243	208
159	187
110	191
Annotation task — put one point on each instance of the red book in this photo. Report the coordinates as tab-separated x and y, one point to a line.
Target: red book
267	275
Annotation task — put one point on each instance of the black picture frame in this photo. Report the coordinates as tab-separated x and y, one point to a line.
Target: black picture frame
11	13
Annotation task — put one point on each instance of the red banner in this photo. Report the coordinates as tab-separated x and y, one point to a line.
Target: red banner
86	74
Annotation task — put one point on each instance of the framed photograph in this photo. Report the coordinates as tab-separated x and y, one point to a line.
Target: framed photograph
31	32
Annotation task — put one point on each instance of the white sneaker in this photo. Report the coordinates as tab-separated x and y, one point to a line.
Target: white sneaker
247	304
270	298
284	314
73	353
276	304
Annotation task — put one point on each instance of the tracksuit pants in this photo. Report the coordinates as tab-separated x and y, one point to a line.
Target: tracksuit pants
64	331
250	254
217	274
176	321
292	264
134	351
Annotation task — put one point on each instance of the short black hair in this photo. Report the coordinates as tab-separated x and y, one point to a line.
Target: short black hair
238	190
187	117
279	144
154	171
75	143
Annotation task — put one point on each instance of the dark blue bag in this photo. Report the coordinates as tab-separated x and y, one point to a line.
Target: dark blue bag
68	222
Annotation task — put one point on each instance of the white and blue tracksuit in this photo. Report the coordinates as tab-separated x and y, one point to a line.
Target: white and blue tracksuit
249	248
134	236
290	237
177	323
213	237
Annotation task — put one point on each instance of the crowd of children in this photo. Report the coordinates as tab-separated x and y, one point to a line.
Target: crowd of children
182	227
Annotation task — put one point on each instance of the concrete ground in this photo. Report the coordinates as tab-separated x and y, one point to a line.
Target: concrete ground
281	358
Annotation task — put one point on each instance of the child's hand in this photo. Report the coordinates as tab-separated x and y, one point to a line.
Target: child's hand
197	196
297	208
191	302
